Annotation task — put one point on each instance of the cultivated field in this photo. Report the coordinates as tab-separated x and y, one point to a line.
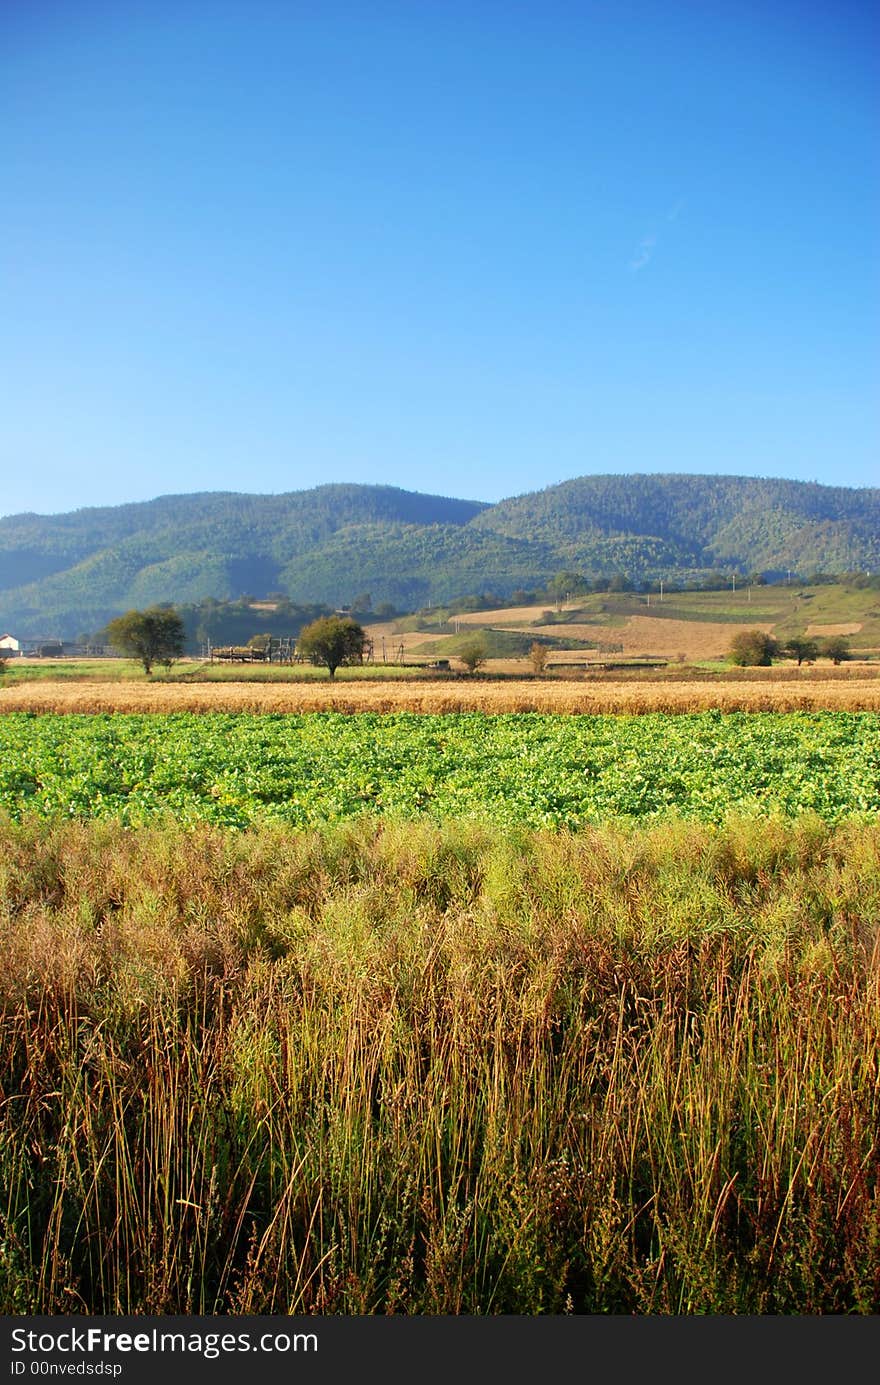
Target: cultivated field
507	769
440	1069
847	689
650	636
695	625
441	1013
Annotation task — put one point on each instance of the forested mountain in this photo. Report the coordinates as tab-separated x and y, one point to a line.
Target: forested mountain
747	523
66	575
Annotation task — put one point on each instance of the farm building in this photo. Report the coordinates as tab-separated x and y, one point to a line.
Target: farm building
9	645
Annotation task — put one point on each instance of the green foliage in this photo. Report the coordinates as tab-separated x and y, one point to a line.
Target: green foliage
753	648
835	648
541	770
74	572
473	653
804	650
332	641
229	623
155	636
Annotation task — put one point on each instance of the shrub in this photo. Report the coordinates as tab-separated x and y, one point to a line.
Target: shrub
753	648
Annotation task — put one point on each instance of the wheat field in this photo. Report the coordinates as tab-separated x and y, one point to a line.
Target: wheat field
574	697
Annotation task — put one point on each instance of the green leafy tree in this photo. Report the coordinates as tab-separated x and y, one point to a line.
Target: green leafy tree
473	654
753	648
154	636
836	648
333	641
565	585
803	650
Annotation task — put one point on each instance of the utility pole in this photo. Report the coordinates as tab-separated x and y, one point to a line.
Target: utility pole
661	588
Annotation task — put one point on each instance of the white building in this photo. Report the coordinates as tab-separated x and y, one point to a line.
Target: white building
10	644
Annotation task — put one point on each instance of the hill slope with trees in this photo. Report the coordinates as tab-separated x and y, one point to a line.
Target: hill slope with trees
66	575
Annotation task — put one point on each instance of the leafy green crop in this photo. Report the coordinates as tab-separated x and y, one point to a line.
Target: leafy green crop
520	768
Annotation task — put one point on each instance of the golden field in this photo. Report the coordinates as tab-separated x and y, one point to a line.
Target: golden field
844	690
647	635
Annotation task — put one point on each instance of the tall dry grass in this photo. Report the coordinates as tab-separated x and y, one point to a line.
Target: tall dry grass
851	694
440	1070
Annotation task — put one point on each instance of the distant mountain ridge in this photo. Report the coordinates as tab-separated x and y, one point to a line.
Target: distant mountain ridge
68	574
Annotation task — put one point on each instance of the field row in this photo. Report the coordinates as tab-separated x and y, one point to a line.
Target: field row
792	691
523	768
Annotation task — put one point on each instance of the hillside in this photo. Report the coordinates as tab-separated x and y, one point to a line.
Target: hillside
63	575
746	523
686	626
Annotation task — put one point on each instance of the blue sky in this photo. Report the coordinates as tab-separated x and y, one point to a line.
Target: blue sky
470	247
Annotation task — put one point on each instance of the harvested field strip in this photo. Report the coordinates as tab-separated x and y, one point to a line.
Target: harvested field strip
440	1070
860	694
520	768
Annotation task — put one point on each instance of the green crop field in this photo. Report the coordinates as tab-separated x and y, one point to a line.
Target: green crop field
538	770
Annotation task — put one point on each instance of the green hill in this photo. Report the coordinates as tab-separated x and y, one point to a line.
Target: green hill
68	574
747	523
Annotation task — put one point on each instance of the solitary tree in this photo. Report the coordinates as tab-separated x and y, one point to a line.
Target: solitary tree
155	636
473	654
801	649
752	648
835	648
538	656
332	641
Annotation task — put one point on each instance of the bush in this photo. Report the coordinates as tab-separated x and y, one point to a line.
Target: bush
753	648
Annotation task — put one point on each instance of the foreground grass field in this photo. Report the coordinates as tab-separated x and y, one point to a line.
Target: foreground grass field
440	1069
522	768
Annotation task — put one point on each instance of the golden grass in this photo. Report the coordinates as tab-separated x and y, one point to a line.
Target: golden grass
508	615
851	628
772	694
648	634
413	1069
657	636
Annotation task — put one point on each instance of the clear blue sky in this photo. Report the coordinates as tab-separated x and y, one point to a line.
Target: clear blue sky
471	247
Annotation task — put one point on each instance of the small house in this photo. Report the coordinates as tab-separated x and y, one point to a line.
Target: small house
9	645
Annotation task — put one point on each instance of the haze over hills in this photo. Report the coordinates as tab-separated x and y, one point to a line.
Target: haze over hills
68	574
